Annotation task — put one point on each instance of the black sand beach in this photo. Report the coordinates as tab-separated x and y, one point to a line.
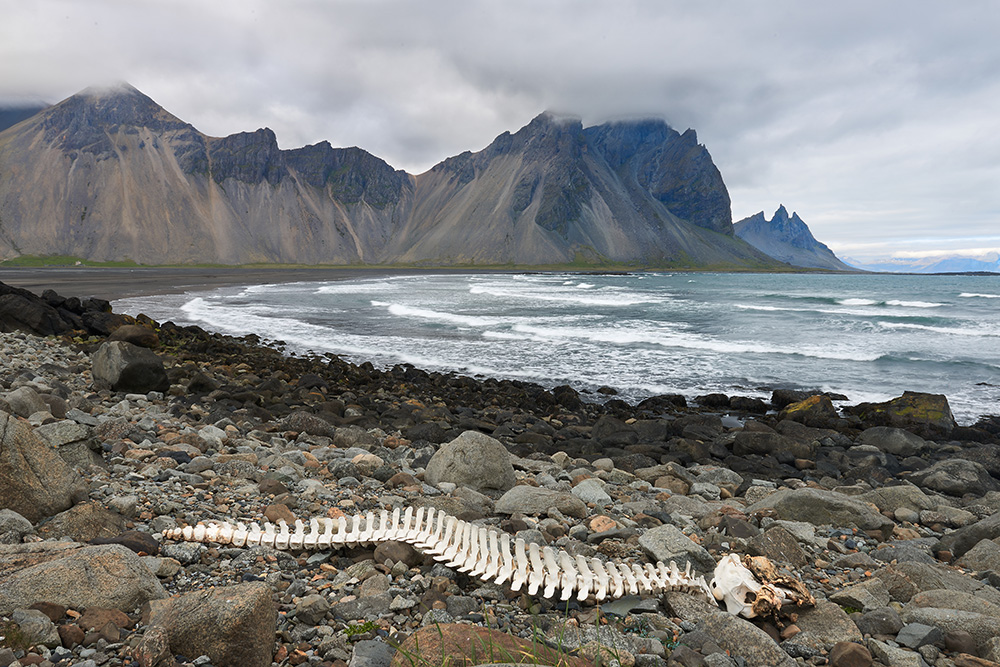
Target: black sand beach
118	283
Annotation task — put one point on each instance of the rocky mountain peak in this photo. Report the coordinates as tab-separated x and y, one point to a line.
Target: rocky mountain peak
787	238
85	121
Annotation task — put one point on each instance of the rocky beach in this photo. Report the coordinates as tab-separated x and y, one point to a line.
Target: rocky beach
116	429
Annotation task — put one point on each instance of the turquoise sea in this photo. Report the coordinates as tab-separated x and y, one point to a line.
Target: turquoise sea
869	337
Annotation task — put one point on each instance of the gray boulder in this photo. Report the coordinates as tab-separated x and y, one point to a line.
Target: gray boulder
963	539
982	627
892	498
894	441
36	627
667	543
820	507
13	527
34	481
536	500
956	477
232	625
745	640
825	624
121	366
984	556
75	576
474	460
25	401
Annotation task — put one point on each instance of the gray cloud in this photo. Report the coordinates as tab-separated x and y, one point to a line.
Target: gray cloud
877	122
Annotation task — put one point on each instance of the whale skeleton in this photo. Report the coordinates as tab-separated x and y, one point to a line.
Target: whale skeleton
492	555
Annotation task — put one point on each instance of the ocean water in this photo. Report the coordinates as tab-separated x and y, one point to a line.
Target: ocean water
869	337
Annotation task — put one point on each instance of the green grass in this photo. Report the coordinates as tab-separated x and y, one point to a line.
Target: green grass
62	261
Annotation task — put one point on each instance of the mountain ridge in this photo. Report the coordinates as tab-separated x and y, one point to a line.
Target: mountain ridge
108	174
788	239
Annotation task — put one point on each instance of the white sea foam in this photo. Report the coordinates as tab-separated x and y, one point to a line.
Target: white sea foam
857	302
914	304
598	299
669	339
973	295
400	310
948	331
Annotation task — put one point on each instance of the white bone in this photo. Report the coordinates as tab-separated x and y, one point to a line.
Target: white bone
602	578
297	538
507	564
551	572
520	572
733	584
586	578
568	578
537	576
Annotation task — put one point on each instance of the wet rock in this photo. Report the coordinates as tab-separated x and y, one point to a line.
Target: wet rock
34	481
474	460
232	625
121	366
775	444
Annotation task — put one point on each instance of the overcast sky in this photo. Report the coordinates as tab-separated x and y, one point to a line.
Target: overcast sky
878	122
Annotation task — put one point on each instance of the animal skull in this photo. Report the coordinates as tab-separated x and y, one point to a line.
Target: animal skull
736	586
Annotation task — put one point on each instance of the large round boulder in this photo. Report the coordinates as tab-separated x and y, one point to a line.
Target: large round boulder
121	366
473	460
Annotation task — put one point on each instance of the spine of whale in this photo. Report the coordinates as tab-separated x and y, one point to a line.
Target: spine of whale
481	552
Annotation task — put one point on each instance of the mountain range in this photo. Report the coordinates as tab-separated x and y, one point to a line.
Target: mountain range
941	263
109	175
789	240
